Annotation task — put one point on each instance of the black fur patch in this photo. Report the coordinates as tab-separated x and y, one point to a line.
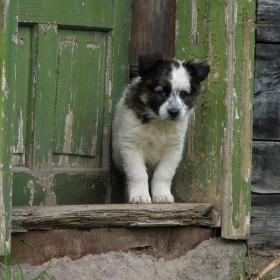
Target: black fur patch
198	72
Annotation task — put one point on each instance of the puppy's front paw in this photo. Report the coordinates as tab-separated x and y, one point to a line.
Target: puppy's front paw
140	199
163	199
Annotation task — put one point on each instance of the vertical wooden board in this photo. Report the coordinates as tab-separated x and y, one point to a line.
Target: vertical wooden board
151	30
240	115
8	53
117	80
119	55
218	148
199	177
23	41
80	91
45	95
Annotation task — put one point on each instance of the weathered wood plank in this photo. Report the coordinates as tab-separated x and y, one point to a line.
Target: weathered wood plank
267	93
268	21
152	28
265	200
267	67
8	53
267	115
118	215
266	171
37	247
219	137
265	226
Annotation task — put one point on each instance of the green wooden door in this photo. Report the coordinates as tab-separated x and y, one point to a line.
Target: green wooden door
63	99
63	66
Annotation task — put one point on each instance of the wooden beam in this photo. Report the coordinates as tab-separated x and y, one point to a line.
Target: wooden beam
111	215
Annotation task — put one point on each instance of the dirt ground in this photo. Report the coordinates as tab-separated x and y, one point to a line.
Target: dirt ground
212	259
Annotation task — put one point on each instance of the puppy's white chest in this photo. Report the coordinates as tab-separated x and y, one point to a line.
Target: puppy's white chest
156	139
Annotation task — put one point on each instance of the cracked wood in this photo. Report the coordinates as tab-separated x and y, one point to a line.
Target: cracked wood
113	215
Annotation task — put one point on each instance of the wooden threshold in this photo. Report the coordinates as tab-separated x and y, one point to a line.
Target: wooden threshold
27	218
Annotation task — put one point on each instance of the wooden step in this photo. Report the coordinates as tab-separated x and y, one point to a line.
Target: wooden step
25	218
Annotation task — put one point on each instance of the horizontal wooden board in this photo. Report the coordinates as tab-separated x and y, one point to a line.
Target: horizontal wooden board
265	200
266	124
86	13
266	171
267	69
268	21
265	226
37	247
112	215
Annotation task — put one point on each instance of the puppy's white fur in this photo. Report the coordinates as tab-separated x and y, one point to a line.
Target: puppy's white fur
154	148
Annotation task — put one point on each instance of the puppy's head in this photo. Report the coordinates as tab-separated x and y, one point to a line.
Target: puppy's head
169	88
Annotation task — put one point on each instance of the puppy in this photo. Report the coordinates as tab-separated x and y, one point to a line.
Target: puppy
150	124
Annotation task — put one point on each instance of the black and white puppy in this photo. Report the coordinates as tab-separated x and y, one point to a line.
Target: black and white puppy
150	124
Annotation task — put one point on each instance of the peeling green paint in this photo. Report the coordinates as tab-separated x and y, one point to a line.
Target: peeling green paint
217	159
62	89
200	171
8	28
58	189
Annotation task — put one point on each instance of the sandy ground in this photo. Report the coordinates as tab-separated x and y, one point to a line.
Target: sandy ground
212	259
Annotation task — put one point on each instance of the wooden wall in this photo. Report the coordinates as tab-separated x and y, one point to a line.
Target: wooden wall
265	221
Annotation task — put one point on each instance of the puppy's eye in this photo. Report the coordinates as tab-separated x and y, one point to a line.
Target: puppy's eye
184	93
161	93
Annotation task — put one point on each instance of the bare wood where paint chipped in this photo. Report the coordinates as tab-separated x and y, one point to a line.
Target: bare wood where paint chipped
113	215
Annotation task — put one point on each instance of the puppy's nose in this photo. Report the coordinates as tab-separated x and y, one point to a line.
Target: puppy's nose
173	112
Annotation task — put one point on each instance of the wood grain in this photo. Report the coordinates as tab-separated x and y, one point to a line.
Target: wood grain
267	70
113	215
267	115
267	94
265	211
152	28
265	227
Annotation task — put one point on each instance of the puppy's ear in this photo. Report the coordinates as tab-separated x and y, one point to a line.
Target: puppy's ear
197	70
149	63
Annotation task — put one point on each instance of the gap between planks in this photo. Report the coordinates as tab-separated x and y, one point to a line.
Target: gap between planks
25	218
